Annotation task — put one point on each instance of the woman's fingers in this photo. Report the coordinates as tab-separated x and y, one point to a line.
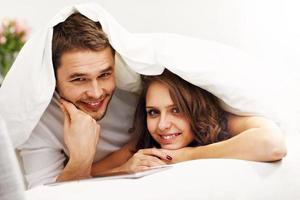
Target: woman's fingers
144	165
149	163
152	161
157	153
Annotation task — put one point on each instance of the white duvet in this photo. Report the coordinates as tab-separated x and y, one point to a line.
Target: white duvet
243	85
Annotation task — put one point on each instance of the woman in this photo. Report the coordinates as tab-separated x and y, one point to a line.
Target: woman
177	121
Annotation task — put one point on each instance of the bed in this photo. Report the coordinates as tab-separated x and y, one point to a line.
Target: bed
198	179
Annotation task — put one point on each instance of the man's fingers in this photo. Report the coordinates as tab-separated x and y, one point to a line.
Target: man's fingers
69	108
66	114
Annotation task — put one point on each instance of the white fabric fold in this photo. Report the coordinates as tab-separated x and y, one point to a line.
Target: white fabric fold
239	82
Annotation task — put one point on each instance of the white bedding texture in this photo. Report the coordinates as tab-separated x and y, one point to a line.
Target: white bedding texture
199	179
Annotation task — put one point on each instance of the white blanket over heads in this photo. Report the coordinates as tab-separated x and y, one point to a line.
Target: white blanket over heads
229	74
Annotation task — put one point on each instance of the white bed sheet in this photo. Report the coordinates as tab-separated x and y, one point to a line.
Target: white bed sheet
198	179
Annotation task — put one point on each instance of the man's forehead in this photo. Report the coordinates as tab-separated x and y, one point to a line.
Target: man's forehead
84	61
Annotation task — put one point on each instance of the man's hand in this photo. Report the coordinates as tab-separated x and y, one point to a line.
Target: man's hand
81	135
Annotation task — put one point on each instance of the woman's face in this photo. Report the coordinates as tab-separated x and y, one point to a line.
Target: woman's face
166	124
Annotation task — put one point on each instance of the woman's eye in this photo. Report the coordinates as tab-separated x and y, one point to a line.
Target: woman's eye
175	110
152	113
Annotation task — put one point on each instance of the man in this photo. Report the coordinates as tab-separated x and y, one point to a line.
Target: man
85	81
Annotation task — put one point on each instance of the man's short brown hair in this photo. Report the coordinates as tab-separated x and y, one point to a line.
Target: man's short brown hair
77	32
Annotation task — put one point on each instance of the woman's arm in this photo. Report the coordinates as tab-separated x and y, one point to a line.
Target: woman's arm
254	138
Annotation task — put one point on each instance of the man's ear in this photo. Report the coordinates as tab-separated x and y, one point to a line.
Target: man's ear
56	94
56	89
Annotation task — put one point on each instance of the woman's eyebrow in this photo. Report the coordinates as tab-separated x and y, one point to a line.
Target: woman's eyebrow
149	107
168	106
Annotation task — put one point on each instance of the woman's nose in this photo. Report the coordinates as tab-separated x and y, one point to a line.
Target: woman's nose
164	122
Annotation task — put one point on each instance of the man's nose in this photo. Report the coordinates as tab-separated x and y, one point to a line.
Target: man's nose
95	90
164	122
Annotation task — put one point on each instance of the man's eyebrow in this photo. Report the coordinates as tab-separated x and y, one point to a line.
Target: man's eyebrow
106	70
76	75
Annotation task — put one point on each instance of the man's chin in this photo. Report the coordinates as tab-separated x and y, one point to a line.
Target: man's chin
97	115
100	115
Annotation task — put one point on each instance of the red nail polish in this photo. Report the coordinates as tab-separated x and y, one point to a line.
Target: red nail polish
169	157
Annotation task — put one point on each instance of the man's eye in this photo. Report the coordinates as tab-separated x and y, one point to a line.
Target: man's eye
78	80
105	75
152	113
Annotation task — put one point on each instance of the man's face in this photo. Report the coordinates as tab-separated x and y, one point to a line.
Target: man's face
87	79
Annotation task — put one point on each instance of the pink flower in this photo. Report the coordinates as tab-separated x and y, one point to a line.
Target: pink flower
2	39
5	22
18	28
21	29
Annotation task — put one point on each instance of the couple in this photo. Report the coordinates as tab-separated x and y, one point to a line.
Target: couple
89	128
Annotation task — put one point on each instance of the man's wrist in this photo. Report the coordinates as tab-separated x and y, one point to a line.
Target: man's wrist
75	170
80	163
81	158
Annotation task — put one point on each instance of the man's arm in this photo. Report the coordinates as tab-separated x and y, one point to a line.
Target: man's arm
113	161
81	135
254	138
41	163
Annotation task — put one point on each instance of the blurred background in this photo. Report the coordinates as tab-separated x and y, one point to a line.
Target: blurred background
267	29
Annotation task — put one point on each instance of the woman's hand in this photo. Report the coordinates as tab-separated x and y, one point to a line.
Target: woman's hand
180	155
145	159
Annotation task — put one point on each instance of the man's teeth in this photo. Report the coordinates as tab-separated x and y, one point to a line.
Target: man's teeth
93	103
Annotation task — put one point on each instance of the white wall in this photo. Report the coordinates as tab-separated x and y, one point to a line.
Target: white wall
266	28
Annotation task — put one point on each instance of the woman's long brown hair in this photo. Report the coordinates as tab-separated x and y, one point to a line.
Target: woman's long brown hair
201	108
